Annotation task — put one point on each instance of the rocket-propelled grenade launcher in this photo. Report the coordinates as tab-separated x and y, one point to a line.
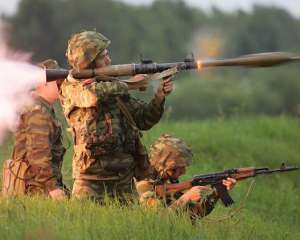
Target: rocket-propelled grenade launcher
148	67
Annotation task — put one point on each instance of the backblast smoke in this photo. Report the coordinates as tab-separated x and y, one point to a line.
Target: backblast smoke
17	79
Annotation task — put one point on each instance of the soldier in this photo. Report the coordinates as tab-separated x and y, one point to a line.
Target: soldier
169	157
38	152
106	122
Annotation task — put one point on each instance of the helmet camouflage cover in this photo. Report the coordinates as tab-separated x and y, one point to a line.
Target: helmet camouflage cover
168	152
49	64
83	48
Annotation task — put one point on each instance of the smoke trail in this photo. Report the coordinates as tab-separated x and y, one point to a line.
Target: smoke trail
17	78
207	43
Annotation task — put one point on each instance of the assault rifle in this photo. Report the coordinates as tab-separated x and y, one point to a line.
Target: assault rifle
149	67
215	181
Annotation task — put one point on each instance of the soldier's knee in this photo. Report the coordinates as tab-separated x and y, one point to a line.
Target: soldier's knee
84	190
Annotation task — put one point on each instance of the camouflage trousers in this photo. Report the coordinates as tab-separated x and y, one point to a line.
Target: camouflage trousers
122	190
33	190
36	189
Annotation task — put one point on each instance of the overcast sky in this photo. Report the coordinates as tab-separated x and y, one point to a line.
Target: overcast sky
292	5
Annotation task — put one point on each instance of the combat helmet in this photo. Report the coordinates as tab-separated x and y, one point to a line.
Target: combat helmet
83	48
168	152
49	64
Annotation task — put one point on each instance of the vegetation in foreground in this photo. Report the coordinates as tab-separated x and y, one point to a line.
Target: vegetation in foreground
270	211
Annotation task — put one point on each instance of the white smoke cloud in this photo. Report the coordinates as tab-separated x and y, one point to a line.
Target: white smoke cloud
17	78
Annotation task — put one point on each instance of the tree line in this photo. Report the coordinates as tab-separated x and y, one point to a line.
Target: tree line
168	30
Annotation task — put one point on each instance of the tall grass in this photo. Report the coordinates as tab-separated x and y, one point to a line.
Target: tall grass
270	210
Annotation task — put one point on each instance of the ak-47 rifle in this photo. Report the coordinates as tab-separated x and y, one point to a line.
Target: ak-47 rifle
215	181
149	67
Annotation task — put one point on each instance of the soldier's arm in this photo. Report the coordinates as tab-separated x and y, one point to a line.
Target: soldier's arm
198	204
88	93
38	148
107	89
208	203
146	115
147	196
204	207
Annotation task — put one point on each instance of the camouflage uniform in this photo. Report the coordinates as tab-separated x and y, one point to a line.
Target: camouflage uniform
38	142
107	148
168	153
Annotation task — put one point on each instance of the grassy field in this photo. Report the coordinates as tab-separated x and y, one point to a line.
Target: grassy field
270	210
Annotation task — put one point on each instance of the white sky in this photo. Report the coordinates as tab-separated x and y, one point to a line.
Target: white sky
293	6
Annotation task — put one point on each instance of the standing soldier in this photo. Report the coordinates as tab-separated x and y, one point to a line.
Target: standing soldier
169	157
38	152
106	122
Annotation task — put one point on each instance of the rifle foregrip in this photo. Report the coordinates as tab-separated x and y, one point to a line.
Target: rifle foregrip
223	194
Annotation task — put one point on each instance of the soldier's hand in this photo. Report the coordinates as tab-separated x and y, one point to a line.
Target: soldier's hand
88	81
58	194
229	183
138	82
194	194
165	88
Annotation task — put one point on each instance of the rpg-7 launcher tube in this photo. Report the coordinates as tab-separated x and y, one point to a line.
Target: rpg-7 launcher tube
118	70
56	74
253	60
132	69
112	71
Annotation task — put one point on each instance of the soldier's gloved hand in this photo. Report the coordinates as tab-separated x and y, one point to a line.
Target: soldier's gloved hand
165	88
58	194
229	183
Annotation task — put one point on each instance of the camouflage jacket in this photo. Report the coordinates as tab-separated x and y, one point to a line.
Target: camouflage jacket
38	141
148	197
106	145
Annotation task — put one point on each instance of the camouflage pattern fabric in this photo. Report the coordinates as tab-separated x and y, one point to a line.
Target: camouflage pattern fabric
148	198
123	190
83	48
166	153
106	147
146	193
38	142
49	64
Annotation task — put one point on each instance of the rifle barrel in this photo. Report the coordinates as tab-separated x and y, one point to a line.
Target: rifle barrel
269	171
205	179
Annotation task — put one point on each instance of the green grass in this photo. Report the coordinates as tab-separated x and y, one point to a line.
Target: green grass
45	219
271	211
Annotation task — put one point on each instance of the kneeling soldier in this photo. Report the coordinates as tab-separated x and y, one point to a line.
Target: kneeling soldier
169	157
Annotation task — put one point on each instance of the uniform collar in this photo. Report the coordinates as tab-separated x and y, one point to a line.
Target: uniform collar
44	103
